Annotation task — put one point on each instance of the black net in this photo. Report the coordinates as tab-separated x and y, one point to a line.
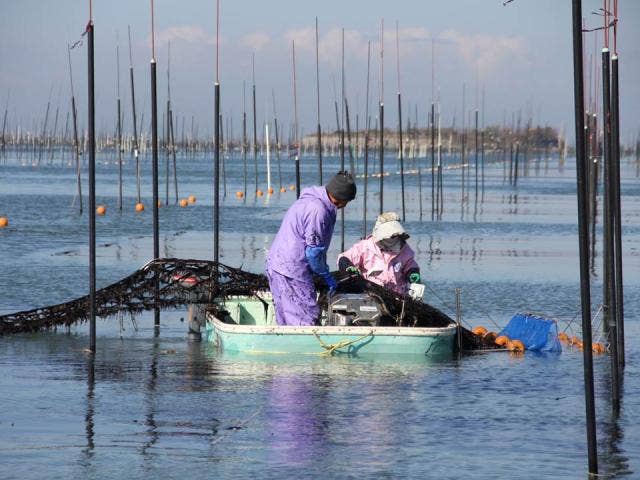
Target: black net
171	283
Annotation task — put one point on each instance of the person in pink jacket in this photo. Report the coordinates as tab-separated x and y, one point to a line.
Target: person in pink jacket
384	257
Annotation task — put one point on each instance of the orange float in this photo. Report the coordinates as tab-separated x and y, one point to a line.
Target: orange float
479	330
563	337
292	188
140	207
270	191
101	210
184	202
259	193
282	189
515	346
192	199
4	221
502	340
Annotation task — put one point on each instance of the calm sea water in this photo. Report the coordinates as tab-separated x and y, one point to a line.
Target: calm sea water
170	407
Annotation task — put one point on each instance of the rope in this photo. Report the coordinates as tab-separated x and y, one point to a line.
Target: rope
332	347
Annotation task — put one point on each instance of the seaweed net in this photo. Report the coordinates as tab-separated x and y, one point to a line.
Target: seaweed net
171	283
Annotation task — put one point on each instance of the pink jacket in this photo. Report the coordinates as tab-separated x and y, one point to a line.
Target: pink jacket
387	269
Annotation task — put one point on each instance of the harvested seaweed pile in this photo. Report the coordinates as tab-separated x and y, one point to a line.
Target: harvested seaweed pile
181	282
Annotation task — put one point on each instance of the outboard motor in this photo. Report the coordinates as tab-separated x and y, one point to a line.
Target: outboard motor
353	309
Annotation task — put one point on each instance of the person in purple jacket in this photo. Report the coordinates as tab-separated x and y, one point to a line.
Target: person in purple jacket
300	249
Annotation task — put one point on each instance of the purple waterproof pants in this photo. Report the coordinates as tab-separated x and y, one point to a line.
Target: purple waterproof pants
294	300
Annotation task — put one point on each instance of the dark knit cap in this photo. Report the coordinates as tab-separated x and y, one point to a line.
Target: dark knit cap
342	187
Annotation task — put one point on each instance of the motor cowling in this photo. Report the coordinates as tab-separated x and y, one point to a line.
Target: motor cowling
353	309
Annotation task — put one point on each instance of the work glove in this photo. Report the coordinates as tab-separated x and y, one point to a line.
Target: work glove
414	277
353	269
330	281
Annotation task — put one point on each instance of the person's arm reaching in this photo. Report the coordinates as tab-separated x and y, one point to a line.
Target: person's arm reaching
317	258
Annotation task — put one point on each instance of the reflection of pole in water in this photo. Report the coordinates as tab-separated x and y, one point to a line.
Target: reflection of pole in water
88	419
150	420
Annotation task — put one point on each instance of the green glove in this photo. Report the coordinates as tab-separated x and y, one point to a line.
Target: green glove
353	269
414	277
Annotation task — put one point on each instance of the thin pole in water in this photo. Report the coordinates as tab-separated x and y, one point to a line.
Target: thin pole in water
255	125
216	167
154	169
92	183
277	139
366	147
119	143
583	229
172	139
296	141
400	123
476	155
433	122
76	144
462	147
135	127
615	194
433	157
381	108
341	128
342	104
608	229
318	110
244	143
482	144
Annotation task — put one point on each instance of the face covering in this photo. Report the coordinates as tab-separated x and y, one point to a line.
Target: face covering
392	245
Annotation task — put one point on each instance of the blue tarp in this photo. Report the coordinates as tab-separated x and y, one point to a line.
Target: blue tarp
536	333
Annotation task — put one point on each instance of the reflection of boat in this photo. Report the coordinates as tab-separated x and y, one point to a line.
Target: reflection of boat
352	323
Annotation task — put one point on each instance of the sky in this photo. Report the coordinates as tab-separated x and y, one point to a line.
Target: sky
518	58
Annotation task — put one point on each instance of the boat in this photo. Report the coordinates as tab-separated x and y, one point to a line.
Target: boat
352	324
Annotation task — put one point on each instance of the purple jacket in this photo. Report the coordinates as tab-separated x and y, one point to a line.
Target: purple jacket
309	222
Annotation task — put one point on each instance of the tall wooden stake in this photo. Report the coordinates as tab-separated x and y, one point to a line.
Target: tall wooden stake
583	228
154	169
91	123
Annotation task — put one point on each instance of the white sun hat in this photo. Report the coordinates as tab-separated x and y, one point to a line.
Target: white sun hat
388	225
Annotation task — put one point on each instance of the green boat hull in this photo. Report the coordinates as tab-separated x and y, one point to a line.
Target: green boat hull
323	340
249	326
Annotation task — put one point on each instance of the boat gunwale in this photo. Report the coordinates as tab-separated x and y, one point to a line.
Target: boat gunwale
330	330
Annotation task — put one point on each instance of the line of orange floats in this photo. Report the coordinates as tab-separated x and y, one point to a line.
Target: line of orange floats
517	347
260	193
184	202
